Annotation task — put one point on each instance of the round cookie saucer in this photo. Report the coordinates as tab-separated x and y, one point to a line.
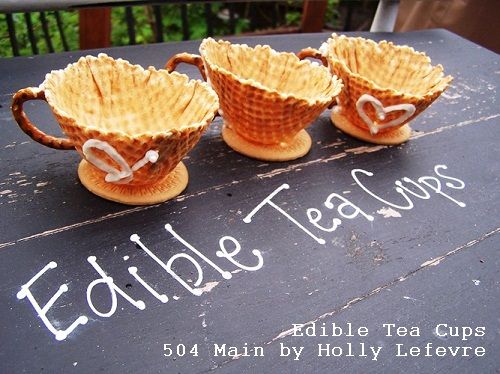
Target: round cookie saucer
170	187
298	147
394	137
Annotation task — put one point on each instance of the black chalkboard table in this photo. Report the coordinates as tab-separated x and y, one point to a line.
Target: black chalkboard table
355	258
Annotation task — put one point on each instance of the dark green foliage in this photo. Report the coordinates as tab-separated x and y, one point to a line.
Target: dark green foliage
70	24
289	15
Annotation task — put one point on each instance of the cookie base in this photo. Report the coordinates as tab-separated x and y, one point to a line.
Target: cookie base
394	137
173	184
298	147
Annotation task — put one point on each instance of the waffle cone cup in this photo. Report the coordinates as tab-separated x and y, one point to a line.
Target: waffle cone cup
385	87
267	98
132	126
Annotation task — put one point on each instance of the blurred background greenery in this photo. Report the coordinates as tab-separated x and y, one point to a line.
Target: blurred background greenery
249	17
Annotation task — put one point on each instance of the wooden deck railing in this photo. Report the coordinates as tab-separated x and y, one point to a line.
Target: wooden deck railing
95	22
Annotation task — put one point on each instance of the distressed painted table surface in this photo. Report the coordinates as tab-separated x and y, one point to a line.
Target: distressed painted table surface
434	263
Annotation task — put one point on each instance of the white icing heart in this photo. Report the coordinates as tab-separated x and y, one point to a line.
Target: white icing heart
381	113
125	174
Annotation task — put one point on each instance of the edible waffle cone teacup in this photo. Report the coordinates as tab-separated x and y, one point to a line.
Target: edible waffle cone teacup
385	86
132	126
267	98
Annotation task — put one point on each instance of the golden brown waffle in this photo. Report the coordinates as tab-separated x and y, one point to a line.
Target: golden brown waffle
133	110
391	74
266	97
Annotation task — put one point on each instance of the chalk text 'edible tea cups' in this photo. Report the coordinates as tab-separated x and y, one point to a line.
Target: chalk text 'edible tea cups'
132	126
267	98
385	86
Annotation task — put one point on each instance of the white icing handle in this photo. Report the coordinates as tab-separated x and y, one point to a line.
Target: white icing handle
381	113
125	174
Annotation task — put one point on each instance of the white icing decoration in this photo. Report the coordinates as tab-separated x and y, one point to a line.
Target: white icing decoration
150	156
125	174
381	112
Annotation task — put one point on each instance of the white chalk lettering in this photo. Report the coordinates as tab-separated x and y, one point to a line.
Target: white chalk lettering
268	201
314	215
460	182
437	188
398	189
230	248
346	203
168	266
426	195
42	311
199	279
237	247
113	289
431	182
225	274
162	297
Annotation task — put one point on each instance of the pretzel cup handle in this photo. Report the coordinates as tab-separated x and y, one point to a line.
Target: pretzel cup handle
187	58
314	53
190	59
35	93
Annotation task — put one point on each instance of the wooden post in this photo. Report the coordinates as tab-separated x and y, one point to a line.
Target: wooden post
313	15
12	34
31	33
95	28
46	33
130	20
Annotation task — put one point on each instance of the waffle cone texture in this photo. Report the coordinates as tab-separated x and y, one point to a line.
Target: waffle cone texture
265	96
132	109
389	73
